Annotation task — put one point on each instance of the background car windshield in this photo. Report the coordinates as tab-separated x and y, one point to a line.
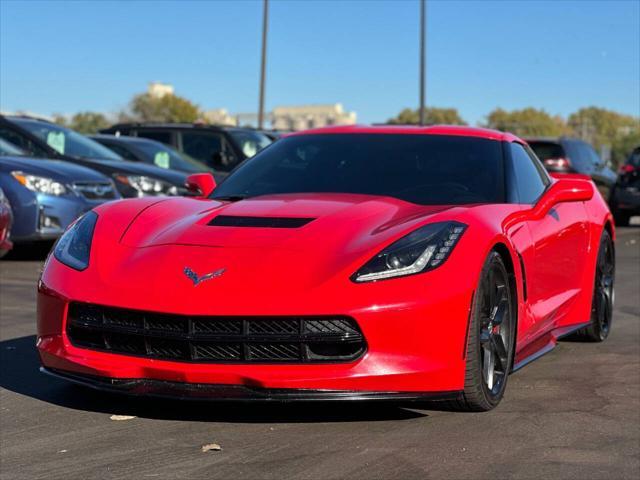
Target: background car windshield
422	169
547	150
249	142
7	148
66	141
166	157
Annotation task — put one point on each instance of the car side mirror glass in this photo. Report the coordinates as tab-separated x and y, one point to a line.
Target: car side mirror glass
562	191
201	184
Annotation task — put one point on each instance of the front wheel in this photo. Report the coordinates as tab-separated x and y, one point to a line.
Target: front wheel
490	340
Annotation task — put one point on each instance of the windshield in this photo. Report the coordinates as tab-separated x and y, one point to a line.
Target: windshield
165	157
422	169
547	150
249	142
66	141
7	148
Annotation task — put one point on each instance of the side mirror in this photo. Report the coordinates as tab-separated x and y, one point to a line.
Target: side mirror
202	184
564	190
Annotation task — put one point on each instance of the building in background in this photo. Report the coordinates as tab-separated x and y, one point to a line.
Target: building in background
159	89
220	116
301	117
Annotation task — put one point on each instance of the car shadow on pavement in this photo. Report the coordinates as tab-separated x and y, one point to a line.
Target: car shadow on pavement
30	251
20	374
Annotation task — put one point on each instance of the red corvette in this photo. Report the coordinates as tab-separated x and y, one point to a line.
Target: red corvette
339	263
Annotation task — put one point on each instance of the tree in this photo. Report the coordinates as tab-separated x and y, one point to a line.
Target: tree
167	108
88	122
60	119
527	122
600	126
433	116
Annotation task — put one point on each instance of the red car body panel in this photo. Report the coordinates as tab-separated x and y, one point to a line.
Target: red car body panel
415	327
5	226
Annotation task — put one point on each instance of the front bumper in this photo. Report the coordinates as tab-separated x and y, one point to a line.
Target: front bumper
411	352
45	217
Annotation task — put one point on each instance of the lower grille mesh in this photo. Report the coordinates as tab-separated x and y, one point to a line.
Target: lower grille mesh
214	339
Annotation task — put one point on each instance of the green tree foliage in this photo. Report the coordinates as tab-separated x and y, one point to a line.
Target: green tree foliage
433	116
88	122
527	122
83	122
60	120
600	126
168	108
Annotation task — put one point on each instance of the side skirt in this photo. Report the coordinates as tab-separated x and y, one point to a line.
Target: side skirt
552	340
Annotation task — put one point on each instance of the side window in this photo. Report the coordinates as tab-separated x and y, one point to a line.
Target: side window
23	142
594	158
578	156
162	137
530	181
209	148
123	152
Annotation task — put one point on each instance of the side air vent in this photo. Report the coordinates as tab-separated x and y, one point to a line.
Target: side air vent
262	222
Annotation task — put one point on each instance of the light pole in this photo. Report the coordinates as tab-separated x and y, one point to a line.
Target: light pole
265	23
423	8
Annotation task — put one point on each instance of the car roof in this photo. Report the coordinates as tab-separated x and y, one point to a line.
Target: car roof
176	126
558	140
124	138
455	130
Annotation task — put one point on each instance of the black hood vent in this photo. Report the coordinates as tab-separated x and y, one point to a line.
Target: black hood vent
261	222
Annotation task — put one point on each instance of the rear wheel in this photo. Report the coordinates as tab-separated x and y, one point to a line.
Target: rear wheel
603	293
491	339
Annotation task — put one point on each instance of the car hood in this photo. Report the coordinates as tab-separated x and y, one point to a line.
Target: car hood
288	221
60	171
157	239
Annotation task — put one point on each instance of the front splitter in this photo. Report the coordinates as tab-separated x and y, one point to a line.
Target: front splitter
234	393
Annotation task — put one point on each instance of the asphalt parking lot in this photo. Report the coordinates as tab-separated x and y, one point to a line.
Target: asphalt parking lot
575	413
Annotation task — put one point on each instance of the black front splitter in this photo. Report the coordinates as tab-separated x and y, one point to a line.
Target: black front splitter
142	387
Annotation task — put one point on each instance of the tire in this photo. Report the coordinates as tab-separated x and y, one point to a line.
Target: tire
491	339
603	293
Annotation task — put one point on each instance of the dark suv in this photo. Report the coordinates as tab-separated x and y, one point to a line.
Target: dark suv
570	155
625	200
219	147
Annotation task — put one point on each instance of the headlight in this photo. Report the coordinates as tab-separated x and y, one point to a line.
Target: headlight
74	246
40	184
146	185
421	250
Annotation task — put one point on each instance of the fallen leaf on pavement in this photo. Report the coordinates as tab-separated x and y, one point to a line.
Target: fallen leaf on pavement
211	447
121	417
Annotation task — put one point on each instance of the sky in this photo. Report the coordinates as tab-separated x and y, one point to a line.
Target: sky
64	57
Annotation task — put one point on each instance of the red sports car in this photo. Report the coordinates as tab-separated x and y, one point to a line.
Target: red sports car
338	263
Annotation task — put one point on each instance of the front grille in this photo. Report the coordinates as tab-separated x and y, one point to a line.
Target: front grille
214	339
95	190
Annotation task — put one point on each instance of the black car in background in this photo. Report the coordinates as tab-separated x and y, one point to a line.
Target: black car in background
571	155
43	139
144	150
625	199
219	147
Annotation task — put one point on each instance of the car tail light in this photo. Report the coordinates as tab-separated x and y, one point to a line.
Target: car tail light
626	169
557	163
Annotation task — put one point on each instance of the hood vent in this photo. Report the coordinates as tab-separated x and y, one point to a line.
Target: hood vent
260	222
